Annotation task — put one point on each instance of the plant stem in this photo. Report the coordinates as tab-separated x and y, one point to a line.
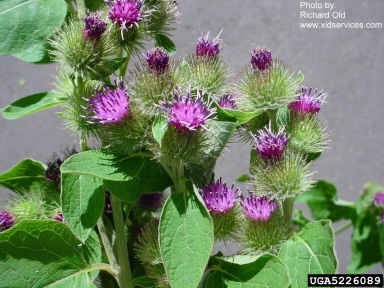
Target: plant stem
272	115
81	8
107	245
123	68
287	209
343	227
124	274
102	266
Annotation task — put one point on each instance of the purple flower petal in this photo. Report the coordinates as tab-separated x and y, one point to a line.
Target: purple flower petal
258	208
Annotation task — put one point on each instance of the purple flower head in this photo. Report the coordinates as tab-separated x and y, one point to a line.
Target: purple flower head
94	26
109	106
208	46
270	146
151	201
379	199
52	172
186	114
307	103
227	101
157	60
125	13
261	58
258	208
59	217
6	220
218	197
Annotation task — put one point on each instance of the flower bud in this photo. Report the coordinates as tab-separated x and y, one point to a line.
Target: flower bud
6	220
157	60
94	26
208	46
270	146
59	217
187	114
227	101
147	246
307	103
378	199
125	14
261	59
109	106
151	201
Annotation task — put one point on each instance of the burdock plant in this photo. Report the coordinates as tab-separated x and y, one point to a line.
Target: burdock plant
140	206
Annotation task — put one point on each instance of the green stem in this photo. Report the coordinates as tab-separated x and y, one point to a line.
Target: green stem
287	209
272	115
124	275
343	227
81	11
107	245
102	266
123	68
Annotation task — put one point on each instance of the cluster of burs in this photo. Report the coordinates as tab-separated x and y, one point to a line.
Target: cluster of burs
182	101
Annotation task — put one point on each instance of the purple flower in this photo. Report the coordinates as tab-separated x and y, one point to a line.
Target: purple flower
379	199
261	58
125	13
270	146
307	103
186	114
218	198
207	46
258	208
59	217
94	26
157	60
6	220
53	165
227	101
151	201
110	106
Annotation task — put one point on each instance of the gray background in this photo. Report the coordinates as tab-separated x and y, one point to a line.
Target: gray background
346	63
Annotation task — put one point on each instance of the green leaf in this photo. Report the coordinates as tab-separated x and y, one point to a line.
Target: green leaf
24	176
93	5
186	239
144	282
25	23
324	203
241	116
82	201
243	178
245	271
365	245
126	177
30	105
381	227
36	54
111	66
41	253
221	134
159	128
163	41
311	251
299	218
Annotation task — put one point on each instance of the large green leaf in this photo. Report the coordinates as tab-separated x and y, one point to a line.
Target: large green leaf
163	41
186	239
264	271
82	202
42	253
30	105
365	243
24	23
204	165
241	116
324	203
24	176
311	251
36	54
126	177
